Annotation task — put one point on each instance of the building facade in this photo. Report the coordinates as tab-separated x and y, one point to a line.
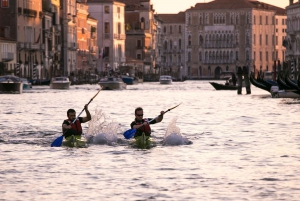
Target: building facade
224	34
111	33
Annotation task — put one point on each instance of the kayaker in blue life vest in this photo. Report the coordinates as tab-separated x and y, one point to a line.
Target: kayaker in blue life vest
141	124
69	128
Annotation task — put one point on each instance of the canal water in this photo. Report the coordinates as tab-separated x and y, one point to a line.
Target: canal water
222	146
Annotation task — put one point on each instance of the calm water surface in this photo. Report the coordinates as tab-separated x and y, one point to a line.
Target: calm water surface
240	147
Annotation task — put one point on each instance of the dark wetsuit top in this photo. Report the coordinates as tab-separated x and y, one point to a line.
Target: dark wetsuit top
141	130
71	131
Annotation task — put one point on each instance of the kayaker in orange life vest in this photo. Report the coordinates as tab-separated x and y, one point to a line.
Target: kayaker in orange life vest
141	124
75	129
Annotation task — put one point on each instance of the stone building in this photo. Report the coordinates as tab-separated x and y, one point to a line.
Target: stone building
8	37
292	41
87	53
224	34
141	29
111	35
173	44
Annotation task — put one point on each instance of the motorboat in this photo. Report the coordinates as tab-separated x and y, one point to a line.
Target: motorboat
11	84
112	83
129	80
165	79
60	83
26	83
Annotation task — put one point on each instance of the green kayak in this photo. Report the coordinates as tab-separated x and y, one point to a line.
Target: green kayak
75	141
143	142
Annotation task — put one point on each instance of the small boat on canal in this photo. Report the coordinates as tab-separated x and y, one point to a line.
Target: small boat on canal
60	83
112	83
219	86
11	84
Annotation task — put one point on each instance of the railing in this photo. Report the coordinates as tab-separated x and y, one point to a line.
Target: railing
29	12
72	46
34	46
7	56
107	36
93	49
120	36
20	45
42	46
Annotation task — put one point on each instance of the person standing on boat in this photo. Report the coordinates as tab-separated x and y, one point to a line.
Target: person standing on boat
75	129
141	124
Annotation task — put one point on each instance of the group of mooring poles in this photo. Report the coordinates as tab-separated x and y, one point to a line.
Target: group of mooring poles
243	75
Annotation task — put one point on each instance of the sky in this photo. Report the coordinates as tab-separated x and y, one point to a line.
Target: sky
175	6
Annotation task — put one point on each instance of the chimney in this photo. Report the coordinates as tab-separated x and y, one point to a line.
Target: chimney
291	2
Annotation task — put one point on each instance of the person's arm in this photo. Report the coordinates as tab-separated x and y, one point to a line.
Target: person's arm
135	126
88	115
160	117
66	125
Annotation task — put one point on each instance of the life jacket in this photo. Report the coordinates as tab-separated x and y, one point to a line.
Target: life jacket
146	129
76	126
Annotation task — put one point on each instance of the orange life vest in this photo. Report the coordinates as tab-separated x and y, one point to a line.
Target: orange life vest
146	129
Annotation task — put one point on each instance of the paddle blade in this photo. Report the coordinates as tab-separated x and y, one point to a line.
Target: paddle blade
57	142
129	134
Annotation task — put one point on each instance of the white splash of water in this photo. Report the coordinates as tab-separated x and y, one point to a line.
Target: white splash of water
101	131
173	136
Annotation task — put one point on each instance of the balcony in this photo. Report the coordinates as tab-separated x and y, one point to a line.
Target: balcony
58	47
33	46
93	49
7	56
29	13
120	36
58	28
42	46
26	46
72	46
107	36
20	45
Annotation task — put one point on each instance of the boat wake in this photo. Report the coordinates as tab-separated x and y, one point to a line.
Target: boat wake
101	131
173	136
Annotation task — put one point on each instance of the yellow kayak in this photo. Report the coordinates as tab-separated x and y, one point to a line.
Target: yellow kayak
75	141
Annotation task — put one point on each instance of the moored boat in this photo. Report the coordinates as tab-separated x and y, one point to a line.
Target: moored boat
75	141
11	84
26	84
112	83
165	79
60	83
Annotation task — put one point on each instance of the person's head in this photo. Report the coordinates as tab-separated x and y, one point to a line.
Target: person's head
71	114
139	113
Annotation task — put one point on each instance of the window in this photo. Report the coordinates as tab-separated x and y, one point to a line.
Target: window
106	27
276	21
190	40
106	51
179	28
254	39
254	19
119	28
267	38
142	23
237	55
118	12
260	39
139	43
200	56
254	55
276	42
106	9
4	3
267	56
139	56
165	29
171	29
260	20
282	21
260	56
179	44
267	20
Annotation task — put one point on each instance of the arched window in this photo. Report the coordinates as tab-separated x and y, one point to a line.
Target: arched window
171	44
189	56
247	55
166	45
200	40
190	40
236	55
206	56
